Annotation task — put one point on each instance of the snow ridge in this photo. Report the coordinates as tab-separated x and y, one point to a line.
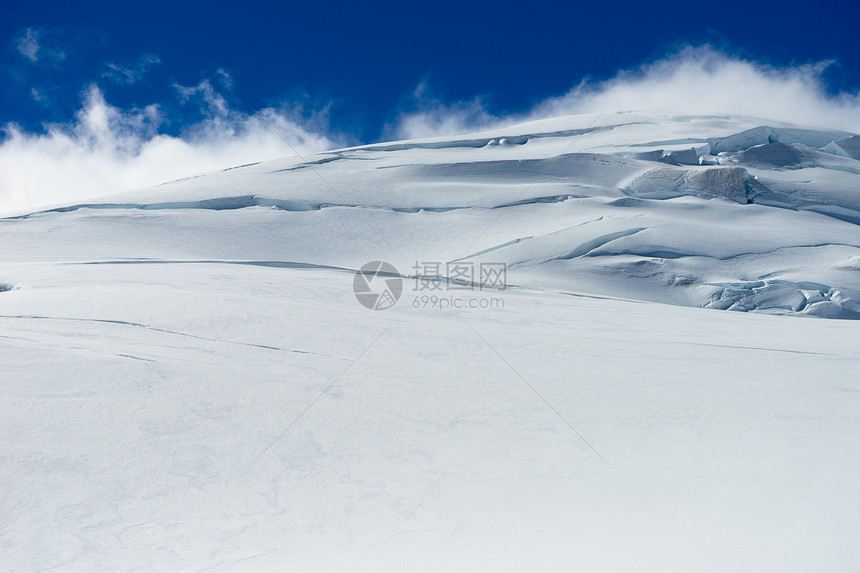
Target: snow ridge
636	205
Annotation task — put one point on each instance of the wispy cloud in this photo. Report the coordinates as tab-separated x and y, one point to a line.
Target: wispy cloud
693	80
106	149
32	45
424	114
224	78
204	94
28	45
705	80
133	73
38	95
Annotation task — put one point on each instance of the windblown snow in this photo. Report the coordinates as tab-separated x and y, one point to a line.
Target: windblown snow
190	384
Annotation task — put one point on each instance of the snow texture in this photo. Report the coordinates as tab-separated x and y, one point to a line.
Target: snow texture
190	384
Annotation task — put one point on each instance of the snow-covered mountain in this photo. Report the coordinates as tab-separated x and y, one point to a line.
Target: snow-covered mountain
701	211
191	383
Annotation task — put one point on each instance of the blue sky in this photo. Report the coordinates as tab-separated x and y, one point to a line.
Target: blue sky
335	73
366	58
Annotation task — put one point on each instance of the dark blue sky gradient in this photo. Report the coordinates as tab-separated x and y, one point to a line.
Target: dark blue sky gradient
367	57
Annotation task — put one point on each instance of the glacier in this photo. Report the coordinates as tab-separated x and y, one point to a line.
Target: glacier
190	383
714	204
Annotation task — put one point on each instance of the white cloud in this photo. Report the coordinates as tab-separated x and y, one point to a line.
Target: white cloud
204	92
704	80
28	44
106	149
694	80
224	78
38	95
431	116
31	45
130	74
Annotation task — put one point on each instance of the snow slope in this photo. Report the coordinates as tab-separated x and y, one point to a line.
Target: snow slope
190	384
700	211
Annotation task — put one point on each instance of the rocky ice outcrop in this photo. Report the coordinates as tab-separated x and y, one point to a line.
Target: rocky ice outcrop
732	183
848	147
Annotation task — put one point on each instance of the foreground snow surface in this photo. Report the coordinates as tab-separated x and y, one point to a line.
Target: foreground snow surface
190	384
